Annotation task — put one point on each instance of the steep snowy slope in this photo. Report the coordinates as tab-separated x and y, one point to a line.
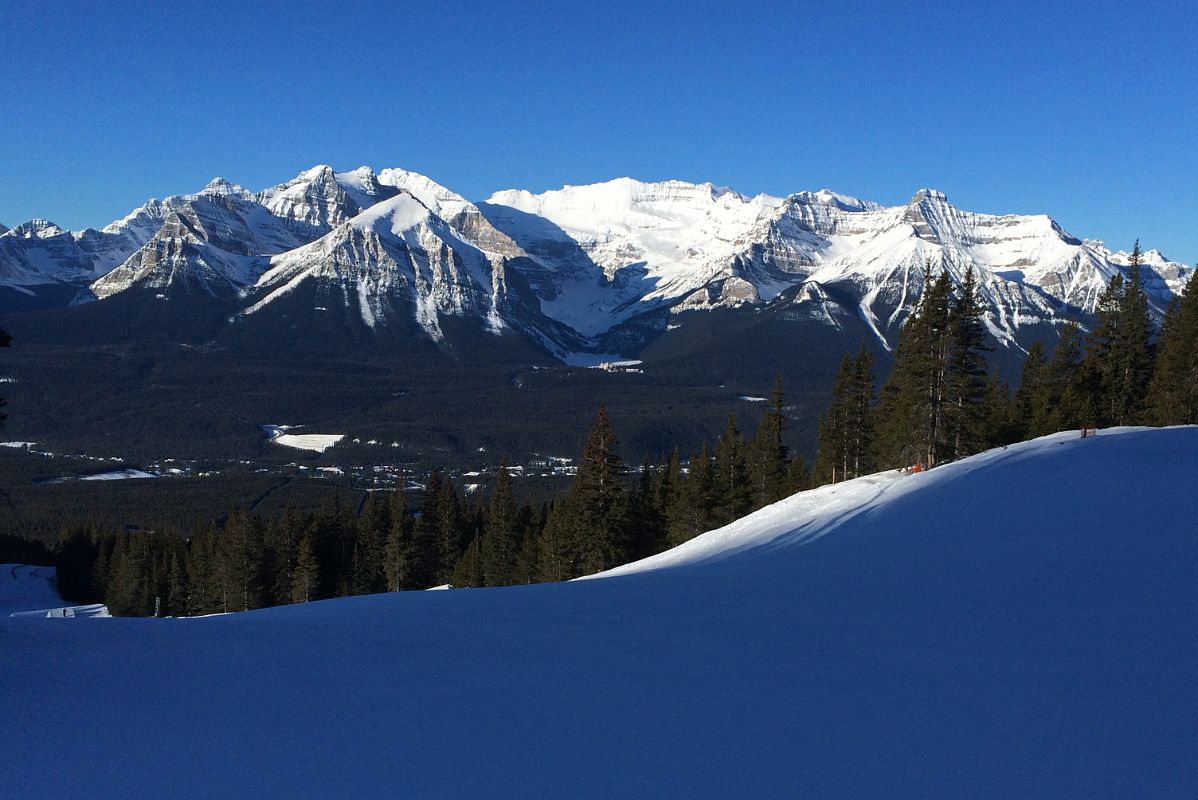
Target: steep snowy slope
396	257
1017	624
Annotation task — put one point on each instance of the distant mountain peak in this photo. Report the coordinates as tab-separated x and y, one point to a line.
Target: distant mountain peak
933	195
37	229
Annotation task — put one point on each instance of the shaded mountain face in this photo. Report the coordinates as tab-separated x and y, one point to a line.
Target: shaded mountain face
584	272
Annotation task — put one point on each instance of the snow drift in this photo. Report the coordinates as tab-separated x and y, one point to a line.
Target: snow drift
1016	624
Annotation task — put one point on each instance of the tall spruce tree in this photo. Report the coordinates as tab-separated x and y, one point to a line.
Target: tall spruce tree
912	407
1118	362
370	542
693	508
398	552
1173	393
555	551
767	454
305	580
469	571
965	373
733	494
1059	399
597	501
450	532
1133	355
1030	379
846	429
646	518
424	565
240	557
499	544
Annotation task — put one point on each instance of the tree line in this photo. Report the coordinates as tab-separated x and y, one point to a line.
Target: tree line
608	516
939	403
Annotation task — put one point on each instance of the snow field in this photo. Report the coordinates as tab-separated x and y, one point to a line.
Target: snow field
1018	624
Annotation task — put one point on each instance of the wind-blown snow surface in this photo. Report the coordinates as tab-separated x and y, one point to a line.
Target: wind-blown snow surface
1019	624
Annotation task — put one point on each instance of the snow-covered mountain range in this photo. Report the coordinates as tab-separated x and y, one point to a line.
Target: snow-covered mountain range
592	269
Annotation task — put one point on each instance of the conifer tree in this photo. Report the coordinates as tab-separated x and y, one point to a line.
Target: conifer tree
306	578
693	509
528	568
75	557
201	563
239	560
965	372
499	545
555	557
1000	425
449	532
469	571
913	401
732	492
1133	356
846	429
397	555
1173	392
126	595
646	522
1030	380
798	477
1118	362
283	542
1059	399
369	544
767	454
425	562
1099	370
597	501
175	601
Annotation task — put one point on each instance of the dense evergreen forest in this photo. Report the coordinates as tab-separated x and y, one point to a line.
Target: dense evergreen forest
939	403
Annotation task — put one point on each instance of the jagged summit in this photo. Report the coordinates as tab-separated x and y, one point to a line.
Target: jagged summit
932	195
600	268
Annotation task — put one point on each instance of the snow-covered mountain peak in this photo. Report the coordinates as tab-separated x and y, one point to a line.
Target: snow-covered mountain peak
221	186
437	198
394	216
932	195
37	229
827	197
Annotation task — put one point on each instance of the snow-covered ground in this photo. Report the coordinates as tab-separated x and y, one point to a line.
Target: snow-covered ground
119	475
1019	624
27	591
319	442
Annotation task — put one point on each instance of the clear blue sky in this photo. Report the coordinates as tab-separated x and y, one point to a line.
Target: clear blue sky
1087	111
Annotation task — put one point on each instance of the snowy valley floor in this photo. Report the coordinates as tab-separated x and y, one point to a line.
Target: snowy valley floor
1019	624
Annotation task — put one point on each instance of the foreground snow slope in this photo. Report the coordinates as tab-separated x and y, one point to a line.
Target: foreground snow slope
1018	624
